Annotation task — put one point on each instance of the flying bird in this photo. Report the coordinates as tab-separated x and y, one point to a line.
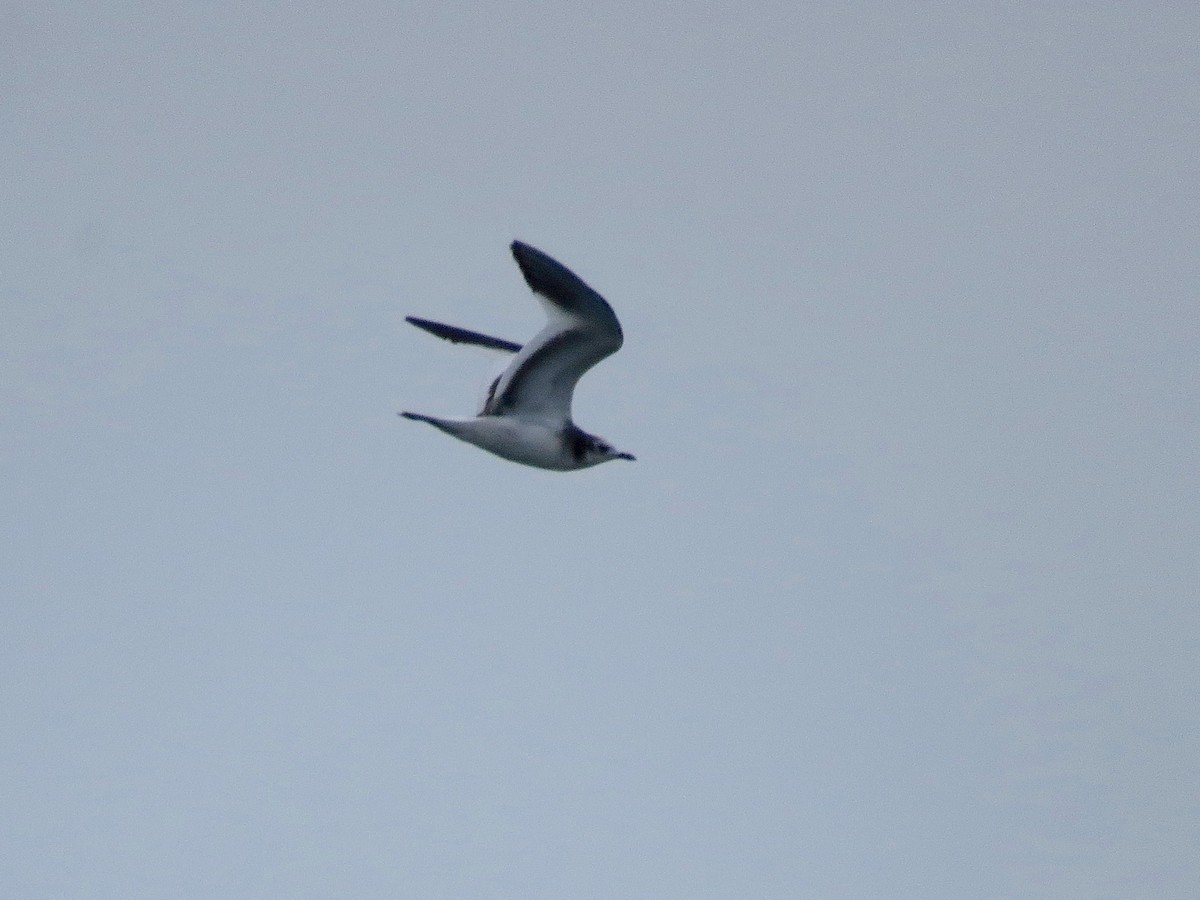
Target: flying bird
526	415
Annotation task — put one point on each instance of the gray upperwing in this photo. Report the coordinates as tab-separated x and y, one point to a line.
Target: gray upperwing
463	336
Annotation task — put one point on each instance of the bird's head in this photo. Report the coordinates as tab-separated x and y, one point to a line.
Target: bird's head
605	452
590	450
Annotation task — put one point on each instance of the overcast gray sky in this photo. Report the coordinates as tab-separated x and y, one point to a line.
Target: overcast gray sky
899	600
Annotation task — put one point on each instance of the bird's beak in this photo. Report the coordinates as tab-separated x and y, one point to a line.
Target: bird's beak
628	456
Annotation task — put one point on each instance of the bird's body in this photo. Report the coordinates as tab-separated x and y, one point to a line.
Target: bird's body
526	415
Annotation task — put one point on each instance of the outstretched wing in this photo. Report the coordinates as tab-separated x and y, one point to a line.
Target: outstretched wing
458	335
582	330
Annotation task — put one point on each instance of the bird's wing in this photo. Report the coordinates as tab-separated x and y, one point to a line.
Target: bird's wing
458	335
582	330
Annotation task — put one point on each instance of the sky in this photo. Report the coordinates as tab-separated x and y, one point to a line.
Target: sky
899	599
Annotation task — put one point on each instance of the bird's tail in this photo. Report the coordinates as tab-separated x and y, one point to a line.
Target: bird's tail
417	417
450	426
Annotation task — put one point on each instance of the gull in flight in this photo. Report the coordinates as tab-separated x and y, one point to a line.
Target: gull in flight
526	415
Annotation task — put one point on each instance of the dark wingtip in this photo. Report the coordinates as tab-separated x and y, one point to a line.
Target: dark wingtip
418	322
546	275
521	252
